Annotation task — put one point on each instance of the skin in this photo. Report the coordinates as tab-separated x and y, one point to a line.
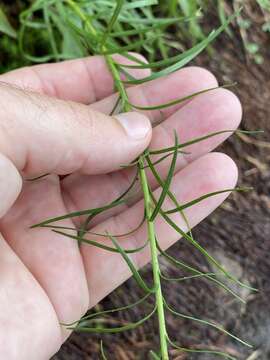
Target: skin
54	119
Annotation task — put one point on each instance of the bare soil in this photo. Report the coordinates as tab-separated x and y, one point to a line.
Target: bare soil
238	234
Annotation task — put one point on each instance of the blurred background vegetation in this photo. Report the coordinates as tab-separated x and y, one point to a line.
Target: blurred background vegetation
38	31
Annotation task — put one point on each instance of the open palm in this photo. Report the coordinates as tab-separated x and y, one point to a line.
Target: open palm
52	122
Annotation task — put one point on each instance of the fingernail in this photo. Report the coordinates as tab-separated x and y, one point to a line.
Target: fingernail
137	126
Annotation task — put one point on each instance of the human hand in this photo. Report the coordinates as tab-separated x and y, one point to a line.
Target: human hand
45	278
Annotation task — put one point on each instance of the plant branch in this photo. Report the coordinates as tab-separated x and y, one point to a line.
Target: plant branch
155	264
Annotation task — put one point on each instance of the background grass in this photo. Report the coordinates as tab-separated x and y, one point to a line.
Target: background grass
39	47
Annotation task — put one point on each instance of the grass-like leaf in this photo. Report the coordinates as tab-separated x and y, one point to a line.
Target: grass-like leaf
93	211
154	356
206	196
116	13
183	265
207	323
104	357
110	311
186	56
5	26
114	330
202	138
184	278
99	245
167	183
201	351
83	232
132	268
178	101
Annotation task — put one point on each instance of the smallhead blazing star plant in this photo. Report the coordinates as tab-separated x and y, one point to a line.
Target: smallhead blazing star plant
111	28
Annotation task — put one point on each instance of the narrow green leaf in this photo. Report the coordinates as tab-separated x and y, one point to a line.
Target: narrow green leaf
115	330
140	4
207	323
154	356
110	311
79	213
168	181
5	26
100	245
202	138
116	13
183	265
176	101
152	21
202	351
104	357
170	194
206	196
48	24
184	278
85	231
186	56
132	268
132	46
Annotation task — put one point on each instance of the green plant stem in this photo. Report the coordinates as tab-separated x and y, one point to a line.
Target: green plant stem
150	224
118	83
155	264
126	106
83	17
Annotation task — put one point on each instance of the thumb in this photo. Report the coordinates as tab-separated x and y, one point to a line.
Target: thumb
42	135
10	184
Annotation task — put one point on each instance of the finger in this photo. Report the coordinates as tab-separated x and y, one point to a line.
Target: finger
55	263
83	80
29	326
44	135
219	110
10	184
210	173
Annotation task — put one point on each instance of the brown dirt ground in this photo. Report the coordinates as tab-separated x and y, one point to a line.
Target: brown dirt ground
238	234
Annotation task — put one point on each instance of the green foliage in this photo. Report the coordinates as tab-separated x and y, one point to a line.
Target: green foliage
264	4
5	26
